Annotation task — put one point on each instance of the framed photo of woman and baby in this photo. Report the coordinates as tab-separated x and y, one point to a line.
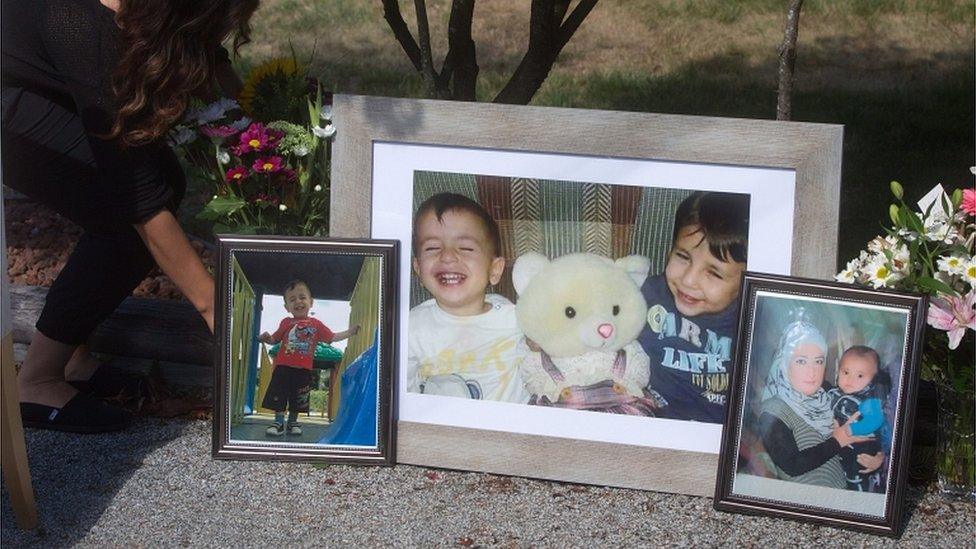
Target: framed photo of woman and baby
820	418
574	276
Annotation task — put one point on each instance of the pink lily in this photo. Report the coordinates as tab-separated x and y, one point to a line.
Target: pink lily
954	315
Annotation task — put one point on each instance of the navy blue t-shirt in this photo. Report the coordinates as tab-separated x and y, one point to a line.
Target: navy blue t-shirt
691	357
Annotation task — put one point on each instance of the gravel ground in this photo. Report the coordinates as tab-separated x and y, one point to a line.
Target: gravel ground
156	485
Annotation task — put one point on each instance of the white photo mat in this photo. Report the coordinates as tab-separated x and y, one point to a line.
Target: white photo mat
771	203
791	172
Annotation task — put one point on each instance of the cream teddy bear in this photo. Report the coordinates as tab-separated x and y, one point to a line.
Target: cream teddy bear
583	313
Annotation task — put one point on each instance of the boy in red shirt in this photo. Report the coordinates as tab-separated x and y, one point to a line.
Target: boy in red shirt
291	380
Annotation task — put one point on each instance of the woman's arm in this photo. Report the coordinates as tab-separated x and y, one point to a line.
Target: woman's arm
172	251
781	447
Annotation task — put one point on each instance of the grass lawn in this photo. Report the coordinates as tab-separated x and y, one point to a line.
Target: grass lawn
898	74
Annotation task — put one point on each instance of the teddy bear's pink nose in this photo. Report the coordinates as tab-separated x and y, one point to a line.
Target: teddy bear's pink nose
606	330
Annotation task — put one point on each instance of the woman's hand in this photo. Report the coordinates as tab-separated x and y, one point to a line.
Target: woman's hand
844	437
871	463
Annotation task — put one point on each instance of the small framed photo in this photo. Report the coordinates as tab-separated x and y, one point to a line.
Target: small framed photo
820	418
307	349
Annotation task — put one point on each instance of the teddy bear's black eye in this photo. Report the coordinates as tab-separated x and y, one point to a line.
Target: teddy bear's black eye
616	310
570	312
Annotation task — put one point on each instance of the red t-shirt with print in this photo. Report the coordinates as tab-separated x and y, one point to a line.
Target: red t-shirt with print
298	337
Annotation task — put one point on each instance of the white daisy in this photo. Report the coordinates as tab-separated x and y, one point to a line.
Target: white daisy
849	274
952	264
324	133
969	272
880	274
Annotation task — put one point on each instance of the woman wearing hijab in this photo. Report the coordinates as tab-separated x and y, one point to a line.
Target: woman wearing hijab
797	421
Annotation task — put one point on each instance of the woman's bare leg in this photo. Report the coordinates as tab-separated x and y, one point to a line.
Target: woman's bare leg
41	378
81	365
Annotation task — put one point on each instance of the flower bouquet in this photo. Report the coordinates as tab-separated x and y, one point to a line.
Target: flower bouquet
930	250
263	176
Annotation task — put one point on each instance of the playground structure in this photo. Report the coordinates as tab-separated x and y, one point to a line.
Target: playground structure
352	387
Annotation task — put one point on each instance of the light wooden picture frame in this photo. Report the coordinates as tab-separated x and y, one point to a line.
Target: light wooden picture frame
382	142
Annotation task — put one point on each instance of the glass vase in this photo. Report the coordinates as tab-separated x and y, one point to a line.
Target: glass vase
956	445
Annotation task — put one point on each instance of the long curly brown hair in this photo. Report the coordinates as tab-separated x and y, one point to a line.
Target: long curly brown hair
168	54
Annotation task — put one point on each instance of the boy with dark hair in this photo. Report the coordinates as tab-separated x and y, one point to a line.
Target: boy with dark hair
463	342
693	307
291	379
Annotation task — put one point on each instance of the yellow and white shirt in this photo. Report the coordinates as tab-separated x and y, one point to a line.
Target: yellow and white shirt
467	356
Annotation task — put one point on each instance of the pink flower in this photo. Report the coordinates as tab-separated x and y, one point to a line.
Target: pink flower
264	198
969	201
220	132
236	175
256	138
954	315
269	164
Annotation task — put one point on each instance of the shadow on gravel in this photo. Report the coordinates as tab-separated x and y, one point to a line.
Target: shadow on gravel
76	478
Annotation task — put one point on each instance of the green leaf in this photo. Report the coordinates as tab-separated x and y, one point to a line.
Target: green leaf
934	285
221	206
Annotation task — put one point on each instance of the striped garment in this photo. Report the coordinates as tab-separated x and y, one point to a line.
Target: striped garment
555	218
830	474
605	396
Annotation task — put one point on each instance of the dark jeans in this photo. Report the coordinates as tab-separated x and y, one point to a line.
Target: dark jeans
46	156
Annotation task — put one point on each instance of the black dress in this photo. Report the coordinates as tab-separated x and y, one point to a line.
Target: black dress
56	62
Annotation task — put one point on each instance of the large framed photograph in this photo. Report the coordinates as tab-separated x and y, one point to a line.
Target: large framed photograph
820	420
307	332
543	319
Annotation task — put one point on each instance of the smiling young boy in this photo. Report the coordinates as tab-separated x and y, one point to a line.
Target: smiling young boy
692	307
291	379
462	342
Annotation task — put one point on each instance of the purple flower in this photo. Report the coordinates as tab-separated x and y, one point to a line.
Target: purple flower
256	138
269	164
236	175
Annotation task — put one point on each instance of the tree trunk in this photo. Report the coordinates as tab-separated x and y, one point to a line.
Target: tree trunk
787	61
548	34
462	63
550	30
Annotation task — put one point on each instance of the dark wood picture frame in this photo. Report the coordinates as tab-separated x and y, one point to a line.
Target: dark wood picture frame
384	340
731	462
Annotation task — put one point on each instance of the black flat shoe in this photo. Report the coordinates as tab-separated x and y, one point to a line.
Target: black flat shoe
81	414
111	382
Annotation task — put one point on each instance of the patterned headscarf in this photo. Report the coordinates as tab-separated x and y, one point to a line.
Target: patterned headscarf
815	409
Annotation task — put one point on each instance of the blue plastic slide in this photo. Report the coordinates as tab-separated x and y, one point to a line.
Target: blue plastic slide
355	422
